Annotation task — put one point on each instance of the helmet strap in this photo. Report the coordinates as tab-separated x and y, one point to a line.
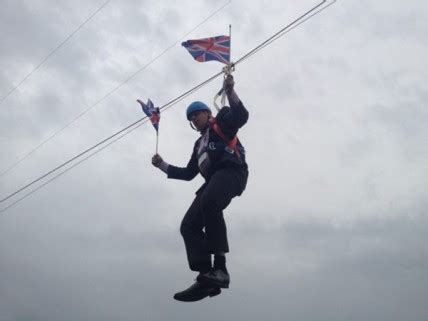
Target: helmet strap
191	125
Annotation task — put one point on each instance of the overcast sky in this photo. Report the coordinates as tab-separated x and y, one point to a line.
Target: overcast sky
333	224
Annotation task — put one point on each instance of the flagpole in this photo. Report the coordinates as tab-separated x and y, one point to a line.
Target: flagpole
228	70
230	48
157	140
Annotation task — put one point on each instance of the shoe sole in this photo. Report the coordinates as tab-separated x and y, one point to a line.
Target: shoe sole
212	293
215	292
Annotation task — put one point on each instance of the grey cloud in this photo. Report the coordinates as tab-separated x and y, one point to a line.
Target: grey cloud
340	271
333	223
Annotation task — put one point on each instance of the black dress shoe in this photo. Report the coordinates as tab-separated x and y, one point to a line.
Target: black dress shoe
215	277
196	292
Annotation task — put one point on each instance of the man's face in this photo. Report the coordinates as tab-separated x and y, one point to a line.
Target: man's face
200	119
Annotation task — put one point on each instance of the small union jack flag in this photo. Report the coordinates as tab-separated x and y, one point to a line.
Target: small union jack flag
214	48
151	112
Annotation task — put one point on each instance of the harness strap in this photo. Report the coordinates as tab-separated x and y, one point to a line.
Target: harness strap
231	147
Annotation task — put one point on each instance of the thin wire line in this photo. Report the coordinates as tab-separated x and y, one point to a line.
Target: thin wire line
66	170
172	102
281	32
166	106
54	51
144	120
110	92
291	27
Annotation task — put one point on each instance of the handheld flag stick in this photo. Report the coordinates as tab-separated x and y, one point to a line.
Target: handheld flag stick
154	115
228	70
157	141
230	49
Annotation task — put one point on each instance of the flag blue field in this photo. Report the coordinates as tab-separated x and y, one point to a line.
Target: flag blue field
152	112
214	48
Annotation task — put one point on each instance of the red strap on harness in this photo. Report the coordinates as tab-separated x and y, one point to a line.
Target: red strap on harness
231	143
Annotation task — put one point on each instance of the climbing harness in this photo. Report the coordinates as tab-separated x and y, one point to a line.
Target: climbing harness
231	147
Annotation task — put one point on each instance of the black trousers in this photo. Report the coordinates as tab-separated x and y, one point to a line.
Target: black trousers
203	227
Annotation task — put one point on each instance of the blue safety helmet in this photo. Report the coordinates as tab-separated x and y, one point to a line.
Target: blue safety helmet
196	106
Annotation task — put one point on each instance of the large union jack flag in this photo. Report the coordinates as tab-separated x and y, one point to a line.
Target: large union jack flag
214	48
152	112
